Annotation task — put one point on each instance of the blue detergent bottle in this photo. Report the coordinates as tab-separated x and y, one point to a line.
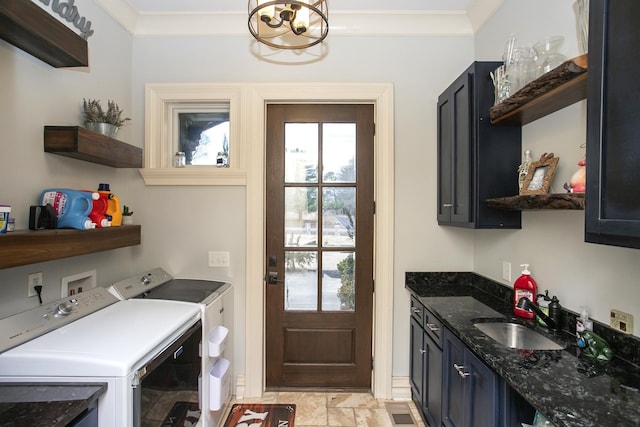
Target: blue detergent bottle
71	206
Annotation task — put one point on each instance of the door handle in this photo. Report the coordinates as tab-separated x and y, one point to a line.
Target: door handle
272	278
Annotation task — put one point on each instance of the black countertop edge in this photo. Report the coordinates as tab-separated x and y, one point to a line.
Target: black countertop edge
569	389
51	404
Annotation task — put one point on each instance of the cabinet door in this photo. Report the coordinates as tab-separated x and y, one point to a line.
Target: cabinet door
454	153
484	398
432	386
455	400
613	176
476	161
417	359
471	390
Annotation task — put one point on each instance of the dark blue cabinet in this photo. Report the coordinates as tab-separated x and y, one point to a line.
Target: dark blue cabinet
426	363
471	390
612	211
476	161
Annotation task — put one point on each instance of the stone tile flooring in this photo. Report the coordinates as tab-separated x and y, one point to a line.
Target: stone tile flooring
343	409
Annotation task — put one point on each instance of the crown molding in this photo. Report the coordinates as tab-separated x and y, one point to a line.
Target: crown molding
342	22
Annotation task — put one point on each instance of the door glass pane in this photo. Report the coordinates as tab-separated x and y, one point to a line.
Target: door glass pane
300	216
338	280
301	280
301	152
339	152
338	216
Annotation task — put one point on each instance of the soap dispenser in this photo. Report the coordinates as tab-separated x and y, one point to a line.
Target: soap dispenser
524	287
543	305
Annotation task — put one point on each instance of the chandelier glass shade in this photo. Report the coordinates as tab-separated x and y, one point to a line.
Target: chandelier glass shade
289	24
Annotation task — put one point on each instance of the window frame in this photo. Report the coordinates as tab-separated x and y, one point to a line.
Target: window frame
161	102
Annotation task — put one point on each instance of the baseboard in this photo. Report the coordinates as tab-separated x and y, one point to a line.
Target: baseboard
240	387
400	388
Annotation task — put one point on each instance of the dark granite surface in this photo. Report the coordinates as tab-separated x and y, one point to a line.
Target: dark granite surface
569	389
45	404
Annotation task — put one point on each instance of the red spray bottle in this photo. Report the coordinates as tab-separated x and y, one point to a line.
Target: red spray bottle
524	286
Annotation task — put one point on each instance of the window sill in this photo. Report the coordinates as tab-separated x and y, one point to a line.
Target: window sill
194	176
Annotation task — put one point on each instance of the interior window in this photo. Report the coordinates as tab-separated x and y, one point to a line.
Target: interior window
204	137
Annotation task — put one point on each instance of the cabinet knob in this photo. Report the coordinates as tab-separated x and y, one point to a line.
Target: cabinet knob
461	371
416	310
422	351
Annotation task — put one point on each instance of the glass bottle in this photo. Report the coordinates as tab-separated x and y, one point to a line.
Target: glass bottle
523	169
180	159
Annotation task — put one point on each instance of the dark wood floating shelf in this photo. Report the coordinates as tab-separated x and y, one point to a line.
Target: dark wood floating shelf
84	144
553	91
567	201
29	247
30	28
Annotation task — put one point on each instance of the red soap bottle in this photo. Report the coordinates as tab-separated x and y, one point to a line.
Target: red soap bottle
524	286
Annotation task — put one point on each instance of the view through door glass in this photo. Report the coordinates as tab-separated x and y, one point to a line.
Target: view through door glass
319	245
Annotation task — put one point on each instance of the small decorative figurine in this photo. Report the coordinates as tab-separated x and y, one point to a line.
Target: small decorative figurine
594	346
578	180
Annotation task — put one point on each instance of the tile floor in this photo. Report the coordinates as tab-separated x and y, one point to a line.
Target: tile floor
339	409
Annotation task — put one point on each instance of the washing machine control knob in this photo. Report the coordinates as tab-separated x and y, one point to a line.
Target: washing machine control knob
63	309
145	280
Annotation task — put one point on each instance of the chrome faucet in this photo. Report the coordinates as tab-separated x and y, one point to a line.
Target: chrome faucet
525	303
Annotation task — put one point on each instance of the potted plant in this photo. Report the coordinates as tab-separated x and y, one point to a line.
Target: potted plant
101	121
127	218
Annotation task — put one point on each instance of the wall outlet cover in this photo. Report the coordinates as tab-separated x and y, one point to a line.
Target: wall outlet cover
71	285
219	259
506	271
621	321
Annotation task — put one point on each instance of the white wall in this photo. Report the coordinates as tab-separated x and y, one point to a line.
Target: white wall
598	277
34	94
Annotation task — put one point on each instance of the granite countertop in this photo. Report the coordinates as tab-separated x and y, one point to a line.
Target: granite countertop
569	389
50	404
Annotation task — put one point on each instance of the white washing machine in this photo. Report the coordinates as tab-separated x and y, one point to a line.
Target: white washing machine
146	351
216	303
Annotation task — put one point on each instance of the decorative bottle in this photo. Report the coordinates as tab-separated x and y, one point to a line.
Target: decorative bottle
523	169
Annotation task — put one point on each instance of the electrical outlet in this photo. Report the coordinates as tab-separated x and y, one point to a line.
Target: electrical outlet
219	259
506	270
621	321
35	279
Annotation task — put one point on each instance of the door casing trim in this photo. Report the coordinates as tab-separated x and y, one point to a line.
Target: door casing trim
254	109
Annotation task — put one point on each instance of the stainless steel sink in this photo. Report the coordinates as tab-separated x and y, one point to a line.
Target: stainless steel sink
514	335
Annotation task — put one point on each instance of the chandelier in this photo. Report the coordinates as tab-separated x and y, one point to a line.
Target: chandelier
288	24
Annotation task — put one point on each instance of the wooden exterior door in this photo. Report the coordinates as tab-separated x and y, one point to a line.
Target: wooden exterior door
319	266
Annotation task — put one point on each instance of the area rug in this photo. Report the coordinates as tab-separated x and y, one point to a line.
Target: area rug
261	415
183	414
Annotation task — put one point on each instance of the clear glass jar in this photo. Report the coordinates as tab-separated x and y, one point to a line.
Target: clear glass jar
523	169
522	68
180	160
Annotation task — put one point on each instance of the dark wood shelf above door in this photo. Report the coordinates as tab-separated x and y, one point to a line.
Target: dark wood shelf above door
565	201
29	247
30	28
83	144
553	91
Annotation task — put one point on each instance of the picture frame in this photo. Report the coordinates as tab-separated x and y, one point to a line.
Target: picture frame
539	175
